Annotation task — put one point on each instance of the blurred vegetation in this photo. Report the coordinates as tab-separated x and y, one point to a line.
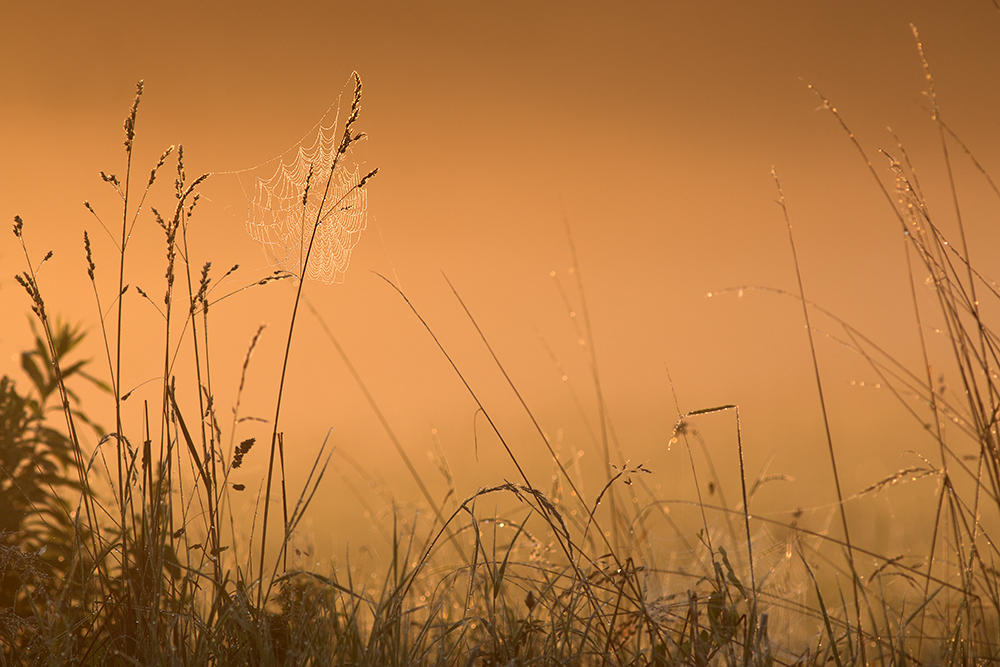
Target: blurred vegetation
38	471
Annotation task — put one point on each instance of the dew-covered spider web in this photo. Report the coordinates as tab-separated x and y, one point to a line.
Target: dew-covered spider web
283	224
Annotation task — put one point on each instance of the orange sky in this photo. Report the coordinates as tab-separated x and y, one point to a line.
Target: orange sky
651	127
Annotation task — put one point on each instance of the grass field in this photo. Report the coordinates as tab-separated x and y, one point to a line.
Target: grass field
128	552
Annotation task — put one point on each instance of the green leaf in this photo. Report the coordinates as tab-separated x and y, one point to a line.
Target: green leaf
31	368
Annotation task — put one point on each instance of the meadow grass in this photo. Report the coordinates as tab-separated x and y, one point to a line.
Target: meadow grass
127	552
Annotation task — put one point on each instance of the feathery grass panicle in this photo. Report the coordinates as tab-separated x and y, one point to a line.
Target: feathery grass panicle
200	297
159	163
367	177
90	256
241	451
130	119
347	140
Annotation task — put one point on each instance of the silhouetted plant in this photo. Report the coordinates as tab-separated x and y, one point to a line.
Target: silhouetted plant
38	475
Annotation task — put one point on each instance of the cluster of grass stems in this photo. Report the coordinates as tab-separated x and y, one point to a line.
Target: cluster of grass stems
152	571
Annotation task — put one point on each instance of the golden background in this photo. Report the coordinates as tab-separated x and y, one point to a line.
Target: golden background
650	127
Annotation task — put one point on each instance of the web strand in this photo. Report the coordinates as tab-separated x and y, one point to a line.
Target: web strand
279	220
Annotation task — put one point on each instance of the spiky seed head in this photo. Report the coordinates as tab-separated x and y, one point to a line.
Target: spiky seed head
368	176
90	257
130	121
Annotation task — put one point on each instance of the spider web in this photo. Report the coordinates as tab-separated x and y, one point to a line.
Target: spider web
283	225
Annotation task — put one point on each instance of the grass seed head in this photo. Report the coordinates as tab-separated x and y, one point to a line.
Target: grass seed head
241	451
90	257
130	121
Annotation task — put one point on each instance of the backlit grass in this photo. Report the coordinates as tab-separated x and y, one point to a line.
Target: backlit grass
122	548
